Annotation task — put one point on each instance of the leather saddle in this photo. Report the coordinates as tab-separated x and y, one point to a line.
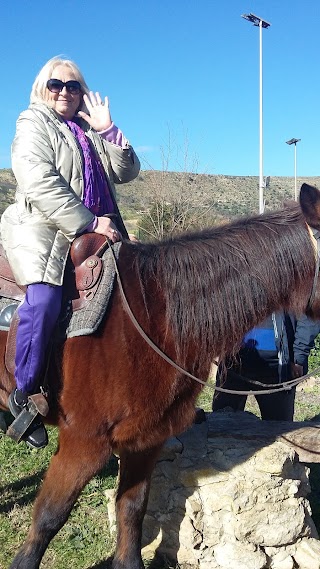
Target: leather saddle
8	286
84	269
81	281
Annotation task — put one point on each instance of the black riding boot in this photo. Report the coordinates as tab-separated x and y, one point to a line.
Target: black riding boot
36	435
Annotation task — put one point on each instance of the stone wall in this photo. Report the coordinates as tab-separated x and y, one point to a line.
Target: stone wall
219	501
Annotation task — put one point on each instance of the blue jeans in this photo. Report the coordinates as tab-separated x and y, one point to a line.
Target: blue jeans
38	315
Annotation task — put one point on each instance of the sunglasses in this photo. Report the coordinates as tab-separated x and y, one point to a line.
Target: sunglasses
56	86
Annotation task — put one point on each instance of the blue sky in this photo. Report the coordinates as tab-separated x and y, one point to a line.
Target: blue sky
180	73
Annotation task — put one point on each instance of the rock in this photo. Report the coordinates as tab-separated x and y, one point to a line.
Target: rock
307	555
282	560
225	499
239	556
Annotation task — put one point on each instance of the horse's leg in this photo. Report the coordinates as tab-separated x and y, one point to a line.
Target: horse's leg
132	497
76	462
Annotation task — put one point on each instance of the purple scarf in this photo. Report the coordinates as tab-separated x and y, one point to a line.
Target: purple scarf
96	195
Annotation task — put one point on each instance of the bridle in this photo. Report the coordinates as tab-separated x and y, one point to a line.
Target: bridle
284	386
315	233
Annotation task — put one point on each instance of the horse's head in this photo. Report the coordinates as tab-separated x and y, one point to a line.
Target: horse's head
310	205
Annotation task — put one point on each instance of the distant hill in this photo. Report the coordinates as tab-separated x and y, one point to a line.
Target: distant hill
229	196
7	188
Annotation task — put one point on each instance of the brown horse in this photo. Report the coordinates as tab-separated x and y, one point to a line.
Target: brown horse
195	296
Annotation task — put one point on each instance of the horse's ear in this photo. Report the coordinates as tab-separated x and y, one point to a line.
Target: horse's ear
310	204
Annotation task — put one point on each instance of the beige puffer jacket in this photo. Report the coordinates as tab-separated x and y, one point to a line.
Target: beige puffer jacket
38	229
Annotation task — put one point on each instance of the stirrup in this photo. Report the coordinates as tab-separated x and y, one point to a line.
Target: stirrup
37	404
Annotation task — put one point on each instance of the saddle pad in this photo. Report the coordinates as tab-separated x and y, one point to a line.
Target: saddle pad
87	320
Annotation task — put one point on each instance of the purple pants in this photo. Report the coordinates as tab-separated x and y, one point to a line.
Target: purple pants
38	315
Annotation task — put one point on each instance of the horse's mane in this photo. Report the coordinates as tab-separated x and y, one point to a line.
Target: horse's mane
220	282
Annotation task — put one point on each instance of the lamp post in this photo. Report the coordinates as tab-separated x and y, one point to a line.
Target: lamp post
256	21
290	142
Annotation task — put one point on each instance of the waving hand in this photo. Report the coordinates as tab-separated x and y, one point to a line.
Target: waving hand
99	116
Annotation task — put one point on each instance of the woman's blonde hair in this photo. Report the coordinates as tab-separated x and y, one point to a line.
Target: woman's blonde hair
39	91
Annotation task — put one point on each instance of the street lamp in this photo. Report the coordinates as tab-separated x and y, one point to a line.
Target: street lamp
294	141
256	21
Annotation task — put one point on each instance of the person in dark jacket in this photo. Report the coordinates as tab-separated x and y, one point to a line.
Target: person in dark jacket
273	352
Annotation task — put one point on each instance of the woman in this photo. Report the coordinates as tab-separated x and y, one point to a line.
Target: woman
66	156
